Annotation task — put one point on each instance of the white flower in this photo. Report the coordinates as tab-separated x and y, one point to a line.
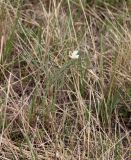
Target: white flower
74	55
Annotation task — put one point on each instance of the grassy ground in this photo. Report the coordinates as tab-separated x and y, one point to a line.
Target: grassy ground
53	107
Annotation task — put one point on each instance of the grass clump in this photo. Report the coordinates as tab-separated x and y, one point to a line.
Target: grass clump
55	107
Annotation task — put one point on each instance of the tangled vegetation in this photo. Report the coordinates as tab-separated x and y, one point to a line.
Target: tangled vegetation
65	79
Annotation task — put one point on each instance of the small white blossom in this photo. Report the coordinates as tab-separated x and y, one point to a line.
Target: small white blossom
74	55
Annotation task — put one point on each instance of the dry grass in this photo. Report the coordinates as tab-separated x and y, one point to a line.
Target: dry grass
54	107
